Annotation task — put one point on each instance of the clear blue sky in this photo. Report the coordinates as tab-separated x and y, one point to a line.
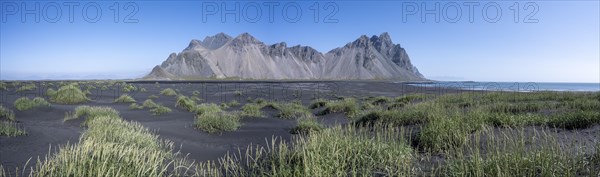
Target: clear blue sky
562	46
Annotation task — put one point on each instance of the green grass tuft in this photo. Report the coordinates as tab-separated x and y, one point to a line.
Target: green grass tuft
149	104
6	113
217	121
91	113
185	103
3	86
112	146
69	94
27	87
346	105
289	110
152	97
135	106
125	99
252	110
575	119
168	92
11	128
306	125
318	103
160	110
24	103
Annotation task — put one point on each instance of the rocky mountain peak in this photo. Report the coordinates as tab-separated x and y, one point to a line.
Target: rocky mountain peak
362	42
216	41
193	44
244	56
246	38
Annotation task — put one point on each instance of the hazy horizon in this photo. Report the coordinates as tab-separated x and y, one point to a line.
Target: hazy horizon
554	41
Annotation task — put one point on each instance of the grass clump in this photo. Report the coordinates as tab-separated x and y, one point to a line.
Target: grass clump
50	92
24	103
114	147
252	110
3	86
11	128
152	97
149	104
91	113
6	113
409	116
212	119
69	94
336	151
408	98
575	119
129	88
233	103
306	125
185	103
448	130
27	87
317	103
160	110
168	92
289	110
135	106
379	100
207	108
125	99
346	105
516	154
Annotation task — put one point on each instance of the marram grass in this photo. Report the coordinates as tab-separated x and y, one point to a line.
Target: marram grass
114	147
125	98
69	94
11	128
6	113
24	103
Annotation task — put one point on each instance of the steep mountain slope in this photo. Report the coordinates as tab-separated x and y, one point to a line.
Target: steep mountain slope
221	56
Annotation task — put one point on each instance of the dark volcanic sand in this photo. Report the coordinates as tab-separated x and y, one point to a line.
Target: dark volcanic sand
45	126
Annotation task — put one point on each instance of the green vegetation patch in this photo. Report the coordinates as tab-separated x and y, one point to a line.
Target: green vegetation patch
212	119
125	99
186	103
168	92
349	106
306	125
289	110
11	128
252	110
24	103
6	113
27	87
69	94
331	152
512	154
114	147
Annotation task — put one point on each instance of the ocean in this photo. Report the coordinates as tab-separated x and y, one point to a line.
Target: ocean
515	86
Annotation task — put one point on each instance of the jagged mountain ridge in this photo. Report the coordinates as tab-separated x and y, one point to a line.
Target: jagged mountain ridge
221	56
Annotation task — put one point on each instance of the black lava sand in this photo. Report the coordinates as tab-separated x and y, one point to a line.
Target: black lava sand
47	131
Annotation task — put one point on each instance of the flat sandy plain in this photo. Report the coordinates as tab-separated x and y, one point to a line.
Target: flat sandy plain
46	129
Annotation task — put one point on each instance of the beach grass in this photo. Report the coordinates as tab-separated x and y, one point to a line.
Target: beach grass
125	98
24	103
168	92
69	94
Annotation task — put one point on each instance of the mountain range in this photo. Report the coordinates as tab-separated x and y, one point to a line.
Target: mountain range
245	57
